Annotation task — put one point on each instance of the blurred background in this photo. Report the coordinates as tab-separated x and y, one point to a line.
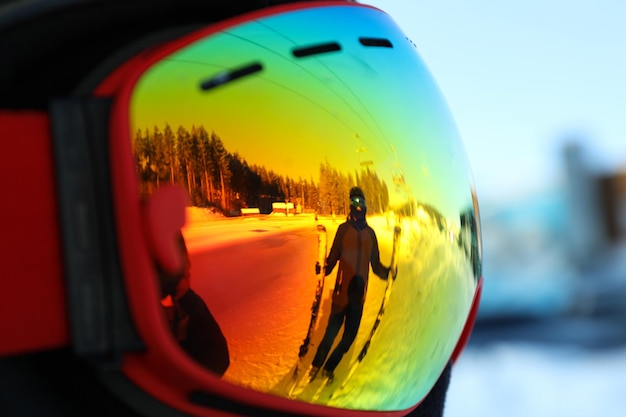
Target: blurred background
538	91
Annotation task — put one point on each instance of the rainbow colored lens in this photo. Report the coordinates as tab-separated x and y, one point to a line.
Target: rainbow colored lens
269	124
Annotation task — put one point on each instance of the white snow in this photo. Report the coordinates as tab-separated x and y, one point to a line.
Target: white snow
525	380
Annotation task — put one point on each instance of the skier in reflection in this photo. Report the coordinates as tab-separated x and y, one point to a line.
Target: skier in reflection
355	247
192	324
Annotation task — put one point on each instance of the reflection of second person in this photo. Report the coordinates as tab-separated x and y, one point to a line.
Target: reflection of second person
355	247
191	322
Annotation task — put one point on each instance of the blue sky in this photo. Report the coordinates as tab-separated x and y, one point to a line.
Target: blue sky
521	79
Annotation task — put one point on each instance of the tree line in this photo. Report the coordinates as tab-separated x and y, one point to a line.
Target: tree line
214	177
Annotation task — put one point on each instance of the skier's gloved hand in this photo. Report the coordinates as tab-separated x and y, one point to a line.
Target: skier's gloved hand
394	272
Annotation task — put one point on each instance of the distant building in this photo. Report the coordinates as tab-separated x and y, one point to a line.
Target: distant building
597	207
613	203
281	207
586	233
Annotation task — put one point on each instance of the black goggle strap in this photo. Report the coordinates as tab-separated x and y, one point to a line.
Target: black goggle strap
100	321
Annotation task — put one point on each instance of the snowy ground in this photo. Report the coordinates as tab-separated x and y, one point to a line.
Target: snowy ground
517	379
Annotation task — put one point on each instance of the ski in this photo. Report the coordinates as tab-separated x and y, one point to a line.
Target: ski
319	271
297	384
327	381
322	248
393	270
300	385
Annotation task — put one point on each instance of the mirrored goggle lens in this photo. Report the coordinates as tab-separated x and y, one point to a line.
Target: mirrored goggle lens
357	202
268	124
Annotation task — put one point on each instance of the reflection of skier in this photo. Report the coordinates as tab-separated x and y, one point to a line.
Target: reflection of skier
355	247
191	322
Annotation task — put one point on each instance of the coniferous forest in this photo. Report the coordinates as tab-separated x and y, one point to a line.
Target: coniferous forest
214	177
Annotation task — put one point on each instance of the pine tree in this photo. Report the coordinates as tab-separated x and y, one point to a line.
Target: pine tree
220	164
184	151
169	153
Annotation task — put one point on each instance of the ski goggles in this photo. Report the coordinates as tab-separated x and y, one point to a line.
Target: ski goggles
245	138
357	202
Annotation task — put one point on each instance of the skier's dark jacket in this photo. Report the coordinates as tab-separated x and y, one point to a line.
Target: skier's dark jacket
355	247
